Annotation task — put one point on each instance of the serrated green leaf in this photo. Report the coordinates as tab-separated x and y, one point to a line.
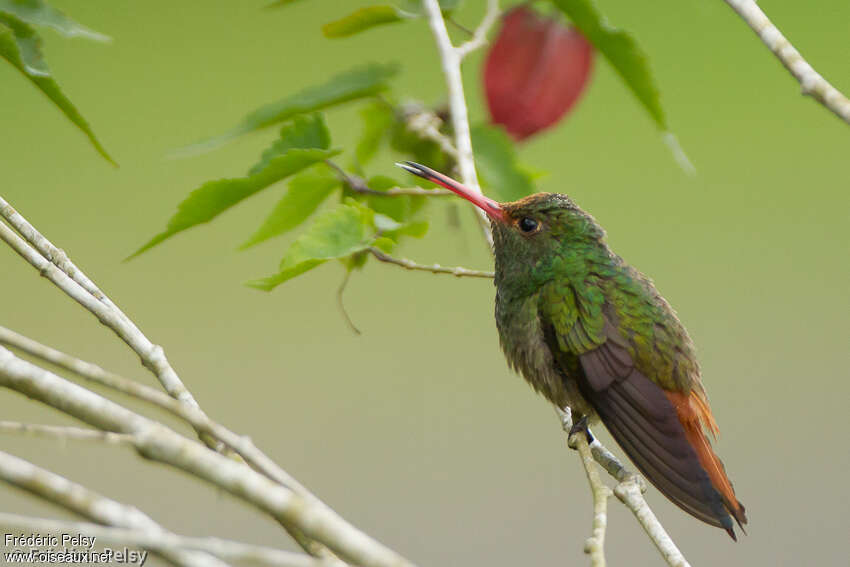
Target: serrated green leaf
301	132
337	233
21	46
621	50
306	192
214	197
362	20
40	13
496	160
360	82
377	119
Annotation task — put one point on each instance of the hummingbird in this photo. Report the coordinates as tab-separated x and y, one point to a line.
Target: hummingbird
592	334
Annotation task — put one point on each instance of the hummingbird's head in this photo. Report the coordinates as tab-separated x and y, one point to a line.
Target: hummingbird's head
529	228
539	236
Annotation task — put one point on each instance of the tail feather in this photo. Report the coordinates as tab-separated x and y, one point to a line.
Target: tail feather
694	414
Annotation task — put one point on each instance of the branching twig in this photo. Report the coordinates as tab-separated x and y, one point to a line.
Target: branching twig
433	268
812	83
82	501
241	445
426	125
629	490
51	262
162	542
479	38
451	57
154	441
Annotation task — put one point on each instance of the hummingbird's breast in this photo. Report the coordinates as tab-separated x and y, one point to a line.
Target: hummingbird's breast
523	340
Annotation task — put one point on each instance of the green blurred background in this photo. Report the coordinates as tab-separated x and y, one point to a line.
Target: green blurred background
416	431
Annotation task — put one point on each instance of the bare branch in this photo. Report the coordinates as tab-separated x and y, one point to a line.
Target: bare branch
162	542
479	38
451	57
595	544
64	432
55	265
629	493
159	443
812	83
629	490
241	445
89	504
433	268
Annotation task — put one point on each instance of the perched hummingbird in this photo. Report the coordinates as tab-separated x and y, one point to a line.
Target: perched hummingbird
591	333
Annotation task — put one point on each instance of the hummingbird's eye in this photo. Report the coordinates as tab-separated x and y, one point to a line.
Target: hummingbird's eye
528	225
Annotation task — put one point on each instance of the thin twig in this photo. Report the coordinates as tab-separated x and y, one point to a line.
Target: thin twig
87	503
55	265
629	490
433	268
241	445
425	124
450	58
154	441
479	38
594	546
811	82
629	493
64	432
76	281
161	542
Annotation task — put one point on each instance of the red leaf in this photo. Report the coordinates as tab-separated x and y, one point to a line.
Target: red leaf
535	72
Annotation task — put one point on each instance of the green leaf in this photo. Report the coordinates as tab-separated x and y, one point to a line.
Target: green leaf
40	13
363	19
214	197
377	119
302	132
21	46
305	193
416	229
497	164
621	50
280	4
398	208
386	224
338	233
357	83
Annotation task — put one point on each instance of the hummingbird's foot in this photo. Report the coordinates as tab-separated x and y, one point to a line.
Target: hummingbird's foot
580	426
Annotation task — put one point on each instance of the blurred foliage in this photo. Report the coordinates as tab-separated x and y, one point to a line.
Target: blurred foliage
304	143
621	50
20	45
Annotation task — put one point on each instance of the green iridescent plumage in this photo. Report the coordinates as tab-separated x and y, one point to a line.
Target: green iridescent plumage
577	281
591	333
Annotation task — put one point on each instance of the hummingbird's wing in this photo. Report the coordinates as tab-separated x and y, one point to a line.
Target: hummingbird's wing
642	418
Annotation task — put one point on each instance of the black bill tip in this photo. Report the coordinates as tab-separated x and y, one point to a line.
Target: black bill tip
417	169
